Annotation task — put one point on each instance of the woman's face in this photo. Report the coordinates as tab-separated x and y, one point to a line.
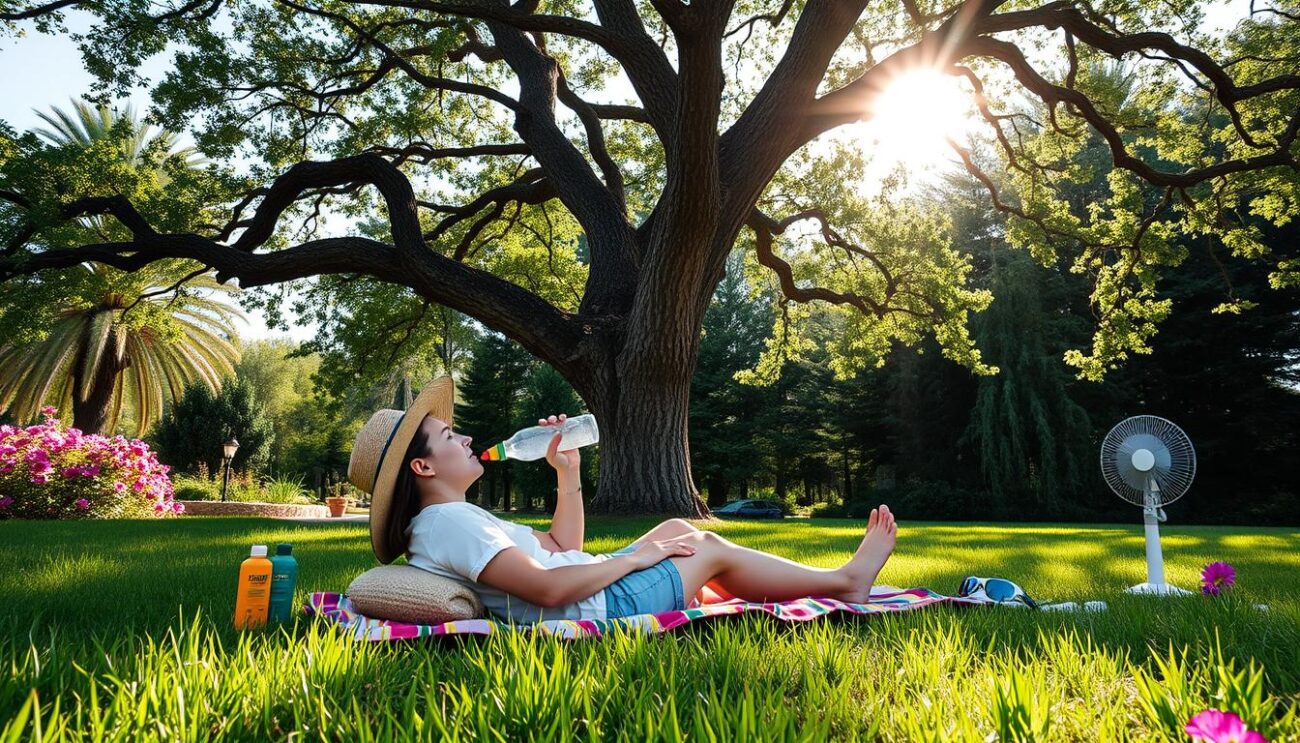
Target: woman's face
449	455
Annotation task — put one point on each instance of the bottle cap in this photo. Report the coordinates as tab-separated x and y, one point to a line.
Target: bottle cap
259	550
284	549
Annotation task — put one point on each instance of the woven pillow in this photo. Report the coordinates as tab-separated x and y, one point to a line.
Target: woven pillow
408	594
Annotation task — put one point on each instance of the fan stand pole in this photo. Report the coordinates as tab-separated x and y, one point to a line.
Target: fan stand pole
1155	557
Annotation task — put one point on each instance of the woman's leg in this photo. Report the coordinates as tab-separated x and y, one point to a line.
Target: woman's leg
754	575
666	530
681	527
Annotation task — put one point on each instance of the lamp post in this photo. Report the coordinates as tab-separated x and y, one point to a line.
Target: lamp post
228	450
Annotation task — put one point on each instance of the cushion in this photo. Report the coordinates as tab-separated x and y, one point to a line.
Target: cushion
405	593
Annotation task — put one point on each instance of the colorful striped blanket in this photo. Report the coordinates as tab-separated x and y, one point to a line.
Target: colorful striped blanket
335	607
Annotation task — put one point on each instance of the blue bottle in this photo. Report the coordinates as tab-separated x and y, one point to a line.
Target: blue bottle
284	575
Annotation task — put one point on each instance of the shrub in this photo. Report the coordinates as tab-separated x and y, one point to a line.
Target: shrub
194	488
48	472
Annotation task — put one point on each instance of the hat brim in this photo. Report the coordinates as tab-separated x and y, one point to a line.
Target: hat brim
437	400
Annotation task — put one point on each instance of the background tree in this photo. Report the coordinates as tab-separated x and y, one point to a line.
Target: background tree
284	386
544	393
109	345
120	346
663	188
724	414
195	427
490	390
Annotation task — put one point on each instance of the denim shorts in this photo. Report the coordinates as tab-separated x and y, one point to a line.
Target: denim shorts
655	589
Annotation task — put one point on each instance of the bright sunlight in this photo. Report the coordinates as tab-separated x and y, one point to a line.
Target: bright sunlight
915	114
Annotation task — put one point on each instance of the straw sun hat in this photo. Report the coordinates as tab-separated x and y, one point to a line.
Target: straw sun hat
378	451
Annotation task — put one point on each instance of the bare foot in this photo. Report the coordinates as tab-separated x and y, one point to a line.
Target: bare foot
871	556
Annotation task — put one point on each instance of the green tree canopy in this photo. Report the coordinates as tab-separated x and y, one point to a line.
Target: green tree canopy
472	143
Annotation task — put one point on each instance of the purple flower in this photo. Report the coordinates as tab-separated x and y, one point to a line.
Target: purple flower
1217	576
6	501
1216	726
83	504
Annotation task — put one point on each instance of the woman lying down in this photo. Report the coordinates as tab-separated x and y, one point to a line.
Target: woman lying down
418	468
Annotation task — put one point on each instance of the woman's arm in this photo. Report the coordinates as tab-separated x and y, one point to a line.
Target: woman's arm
547	541
568	524
517	573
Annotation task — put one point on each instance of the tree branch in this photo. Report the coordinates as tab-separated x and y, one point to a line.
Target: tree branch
765	229
1050	93
534	323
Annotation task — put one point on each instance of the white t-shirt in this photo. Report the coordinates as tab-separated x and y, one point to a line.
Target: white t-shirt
457	540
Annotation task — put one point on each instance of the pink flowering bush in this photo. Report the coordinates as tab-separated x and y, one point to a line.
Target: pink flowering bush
48	472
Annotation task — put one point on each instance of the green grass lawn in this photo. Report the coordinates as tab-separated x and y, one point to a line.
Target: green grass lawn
121	631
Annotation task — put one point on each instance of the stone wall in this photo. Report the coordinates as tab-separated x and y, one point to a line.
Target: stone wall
231	508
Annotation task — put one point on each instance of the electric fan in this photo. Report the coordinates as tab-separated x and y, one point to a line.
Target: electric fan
1150	462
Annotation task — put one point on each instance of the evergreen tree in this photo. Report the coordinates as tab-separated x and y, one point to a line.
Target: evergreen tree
490	392
724	413
547	393
194	428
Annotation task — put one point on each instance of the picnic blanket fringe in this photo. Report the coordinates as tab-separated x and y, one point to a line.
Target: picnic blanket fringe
336	608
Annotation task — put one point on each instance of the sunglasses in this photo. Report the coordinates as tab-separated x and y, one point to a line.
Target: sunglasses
997	589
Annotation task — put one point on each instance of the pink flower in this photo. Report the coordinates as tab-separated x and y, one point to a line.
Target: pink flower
1215	726
71	471
6	501
83	504
119	487
39	479
1217	576
49	411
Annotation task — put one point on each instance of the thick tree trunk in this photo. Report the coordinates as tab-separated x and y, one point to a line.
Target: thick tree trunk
641	402
91	414
645	464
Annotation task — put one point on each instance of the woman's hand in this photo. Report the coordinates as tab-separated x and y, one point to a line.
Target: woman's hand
564	462
653	553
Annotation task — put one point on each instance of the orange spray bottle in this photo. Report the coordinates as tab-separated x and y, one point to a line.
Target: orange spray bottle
254	596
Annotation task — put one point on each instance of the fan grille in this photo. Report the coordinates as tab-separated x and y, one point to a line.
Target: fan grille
1175	459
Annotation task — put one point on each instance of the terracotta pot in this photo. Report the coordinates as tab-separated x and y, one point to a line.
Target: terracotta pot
338	505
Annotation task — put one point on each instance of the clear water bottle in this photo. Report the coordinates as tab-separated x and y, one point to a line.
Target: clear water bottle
531	443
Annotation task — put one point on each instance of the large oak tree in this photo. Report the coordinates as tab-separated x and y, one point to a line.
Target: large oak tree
466	124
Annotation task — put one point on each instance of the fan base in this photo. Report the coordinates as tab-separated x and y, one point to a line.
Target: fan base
1159	589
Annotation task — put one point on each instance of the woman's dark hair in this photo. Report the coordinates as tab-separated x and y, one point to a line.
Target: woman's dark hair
406	494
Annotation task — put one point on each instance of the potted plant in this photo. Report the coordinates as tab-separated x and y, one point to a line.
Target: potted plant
336	500
338	505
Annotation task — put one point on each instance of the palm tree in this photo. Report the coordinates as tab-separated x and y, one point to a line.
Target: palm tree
139	346
91	124
120	341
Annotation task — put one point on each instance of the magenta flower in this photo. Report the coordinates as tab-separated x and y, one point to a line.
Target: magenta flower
49	411
1215	726
39	479
1217	576
83	504
6	501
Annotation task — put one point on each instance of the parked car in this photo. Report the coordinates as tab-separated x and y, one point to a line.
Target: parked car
750	509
